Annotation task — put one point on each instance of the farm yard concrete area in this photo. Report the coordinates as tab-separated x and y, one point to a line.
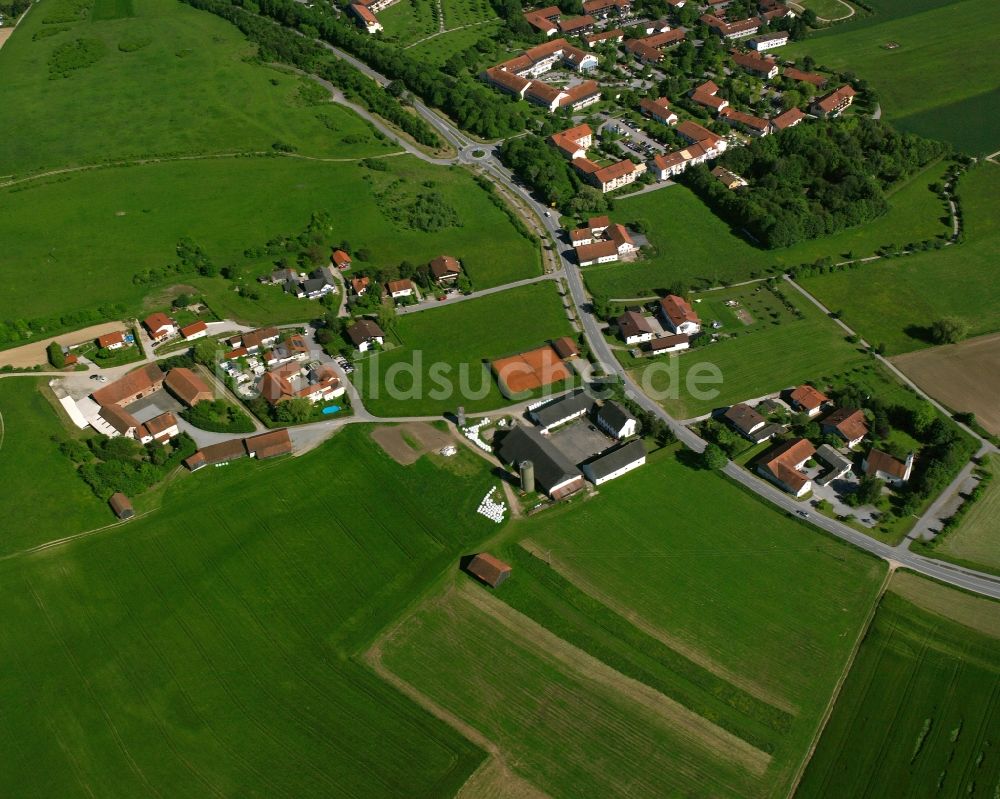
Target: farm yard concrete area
329	470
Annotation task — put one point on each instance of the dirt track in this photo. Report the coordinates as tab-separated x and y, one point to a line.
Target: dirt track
965	376
395	440
32	354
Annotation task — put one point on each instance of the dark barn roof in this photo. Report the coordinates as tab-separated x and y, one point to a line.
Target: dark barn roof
527	444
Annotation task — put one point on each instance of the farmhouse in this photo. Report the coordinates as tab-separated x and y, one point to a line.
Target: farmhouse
559	412
848	424
728	179
705	95
160	428
678	315
597	252
883	466
269	445
755	126
616	420
117	422
399	289
566	348
133	386
619	236
111	341
615	462
634	327
121	505
807	399
782	465
764	67
195	330
554	474
658	110
160	326
574	142
364	333
769	41
445	269
489	569
341	260
835	103
665	344
789	119
188	387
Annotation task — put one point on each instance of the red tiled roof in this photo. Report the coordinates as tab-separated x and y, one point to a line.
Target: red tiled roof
141	380
192	329
187	386
806	77
117	337
877	461
834	98
782	460
678	310
850	423
341	258
489	569
157	320
592	252
786	120
808	397
269	445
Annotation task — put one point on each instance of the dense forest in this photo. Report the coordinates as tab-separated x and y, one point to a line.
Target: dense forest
813	179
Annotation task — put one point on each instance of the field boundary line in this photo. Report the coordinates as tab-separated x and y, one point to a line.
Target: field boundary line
848	666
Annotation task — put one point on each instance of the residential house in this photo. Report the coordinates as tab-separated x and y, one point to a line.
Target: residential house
616	420
115	421
837	464
755	126
883	466
160	326
121	505
161	428
668	165
789	119
341	260
574	142
808	399
615	462
581	95
598	252
364	334
195	330
766	68
847	423
634	327
602	9
255	339
576	26
365	18
187	386
555	475
544	19
269	445
598	224
134	386
401	289
111	341
445	269
705	94
644	52
713	145
294	348
620	237
835	103
657	26
745	420
813	78
769	41
664	39
731	30
359	285
728	179
611	177
560	411
783	464
565	348
658	110
667	344
615	35
488	569
678	315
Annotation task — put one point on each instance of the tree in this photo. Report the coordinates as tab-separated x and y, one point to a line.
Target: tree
713	457
949	330
922	417
56	357
868	493
205	352
293	411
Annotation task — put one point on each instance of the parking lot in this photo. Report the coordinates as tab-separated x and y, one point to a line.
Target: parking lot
634	139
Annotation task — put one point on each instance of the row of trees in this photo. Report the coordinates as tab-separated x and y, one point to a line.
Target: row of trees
813	179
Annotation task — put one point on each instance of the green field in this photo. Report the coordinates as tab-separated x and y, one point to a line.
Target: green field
694	246
409	20
205	650
828	9
976	540
919	713
921	85
439	49
894	301
117	222
191	89
466	12
41	488
765	357
657	648
463	338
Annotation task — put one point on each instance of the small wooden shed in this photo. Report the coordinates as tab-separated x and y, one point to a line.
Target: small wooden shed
121	505
489	569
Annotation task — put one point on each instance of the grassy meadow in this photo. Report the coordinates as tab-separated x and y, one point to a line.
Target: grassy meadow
408	22
182	83
121	221
464	336
976	540
639	655
921	85
205	650
894	301
41	488
919	712
776	351
694	246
